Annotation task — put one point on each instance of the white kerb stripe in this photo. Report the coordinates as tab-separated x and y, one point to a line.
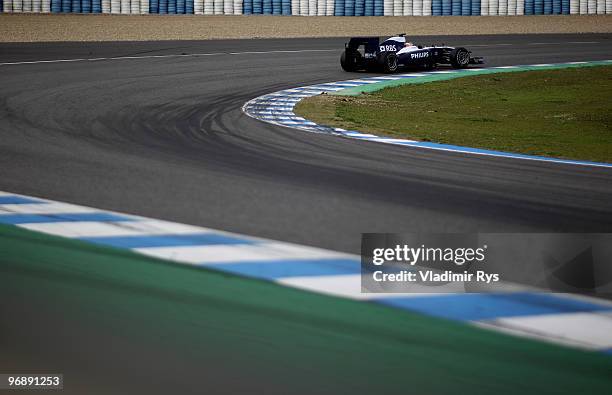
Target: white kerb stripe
589	330
357	134
347	84
347	286
244	253
44	208
329	88
393	141
364	81
386	78
110	229
308	93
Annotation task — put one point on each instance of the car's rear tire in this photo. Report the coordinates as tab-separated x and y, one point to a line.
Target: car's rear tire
389	62
349	60
460	58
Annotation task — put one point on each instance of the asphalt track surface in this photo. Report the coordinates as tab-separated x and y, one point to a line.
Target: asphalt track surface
165	137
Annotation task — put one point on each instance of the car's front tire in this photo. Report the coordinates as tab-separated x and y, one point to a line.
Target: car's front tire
460	58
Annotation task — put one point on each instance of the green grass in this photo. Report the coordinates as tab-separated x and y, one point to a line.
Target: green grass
277	336
559	113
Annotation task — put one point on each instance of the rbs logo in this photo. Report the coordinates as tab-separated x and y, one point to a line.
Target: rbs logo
384	48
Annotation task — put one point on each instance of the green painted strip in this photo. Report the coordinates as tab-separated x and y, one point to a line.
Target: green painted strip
268	336
458	74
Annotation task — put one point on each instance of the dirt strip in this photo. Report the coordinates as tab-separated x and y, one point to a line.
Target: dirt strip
69	27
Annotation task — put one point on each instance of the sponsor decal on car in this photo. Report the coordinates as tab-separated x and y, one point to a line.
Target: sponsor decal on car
419	55
385	48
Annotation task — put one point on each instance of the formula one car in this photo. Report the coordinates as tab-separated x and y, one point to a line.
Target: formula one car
368	53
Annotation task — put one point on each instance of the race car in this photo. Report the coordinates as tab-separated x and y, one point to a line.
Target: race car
369	54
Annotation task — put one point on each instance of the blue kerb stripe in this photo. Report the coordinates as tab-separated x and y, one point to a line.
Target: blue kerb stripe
503	154
16	219
19	200
471	307
167	240
271	270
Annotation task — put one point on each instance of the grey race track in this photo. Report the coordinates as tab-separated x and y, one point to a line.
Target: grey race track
165	138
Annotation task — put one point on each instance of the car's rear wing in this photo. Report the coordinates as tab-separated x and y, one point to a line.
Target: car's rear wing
370	43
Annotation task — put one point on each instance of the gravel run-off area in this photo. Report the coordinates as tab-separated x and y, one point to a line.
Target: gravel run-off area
69	27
